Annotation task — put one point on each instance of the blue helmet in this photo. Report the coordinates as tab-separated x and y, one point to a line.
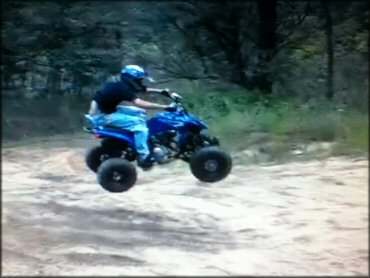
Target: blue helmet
136	72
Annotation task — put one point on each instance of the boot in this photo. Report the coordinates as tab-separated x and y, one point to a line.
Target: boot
146	163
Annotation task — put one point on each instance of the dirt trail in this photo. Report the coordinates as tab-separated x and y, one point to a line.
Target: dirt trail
306	218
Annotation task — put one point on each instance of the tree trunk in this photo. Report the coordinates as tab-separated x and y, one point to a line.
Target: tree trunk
266	44
328	26
6	77
53	82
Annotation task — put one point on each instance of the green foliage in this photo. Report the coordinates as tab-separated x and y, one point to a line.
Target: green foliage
313	46
82	44
186	40
236	119
354	134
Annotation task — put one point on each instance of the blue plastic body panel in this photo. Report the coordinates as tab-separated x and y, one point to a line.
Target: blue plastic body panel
178	121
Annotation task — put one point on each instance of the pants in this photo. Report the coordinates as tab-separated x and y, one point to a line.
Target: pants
132	119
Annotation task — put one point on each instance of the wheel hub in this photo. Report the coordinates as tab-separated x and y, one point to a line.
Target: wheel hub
117	176
211	165
104	157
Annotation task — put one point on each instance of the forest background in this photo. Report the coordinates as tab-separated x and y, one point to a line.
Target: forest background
273	72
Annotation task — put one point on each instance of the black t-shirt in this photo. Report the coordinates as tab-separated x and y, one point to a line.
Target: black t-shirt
112	94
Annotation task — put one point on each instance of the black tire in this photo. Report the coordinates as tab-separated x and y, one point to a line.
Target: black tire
116	168
94	157
200	141
209	164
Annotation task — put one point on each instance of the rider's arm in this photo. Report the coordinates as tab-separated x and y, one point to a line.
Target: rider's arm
94	110
147	105
152	90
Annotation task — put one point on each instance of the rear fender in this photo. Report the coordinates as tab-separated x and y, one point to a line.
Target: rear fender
120	136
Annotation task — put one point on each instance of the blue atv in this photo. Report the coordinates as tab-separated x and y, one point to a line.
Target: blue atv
172	135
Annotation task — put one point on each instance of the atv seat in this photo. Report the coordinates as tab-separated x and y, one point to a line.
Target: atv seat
117	129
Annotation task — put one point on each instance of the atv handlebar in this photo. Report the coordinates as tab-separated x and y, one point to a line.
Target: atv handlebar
172	95
175	97
176	100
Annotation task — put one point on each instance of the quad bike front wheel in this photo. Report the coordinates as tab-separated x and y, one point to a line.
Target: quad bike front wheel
210	164
116	175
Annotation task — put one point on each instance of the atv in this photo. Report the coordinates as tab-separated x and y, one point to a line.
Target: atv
172	135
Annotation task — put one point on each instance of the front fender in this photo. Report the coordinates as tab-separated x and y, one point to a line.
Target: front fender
195	122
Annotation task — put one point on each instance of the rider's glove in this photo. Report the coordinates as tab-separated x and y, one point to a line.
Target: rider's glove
171	108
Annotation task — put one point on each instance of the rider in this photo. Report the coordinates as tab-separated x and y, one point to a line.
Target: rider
118	104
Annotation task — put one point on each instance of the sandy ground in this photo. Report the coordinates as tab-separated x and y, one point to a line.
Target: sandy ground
302	218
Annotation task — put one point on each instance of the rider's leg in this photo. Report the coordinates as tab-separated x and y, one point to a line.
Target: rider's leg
135	124
141	135
96	120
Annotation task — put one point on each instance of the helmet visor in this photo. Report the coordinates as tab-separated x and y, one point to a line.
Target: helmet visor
151	80
148	78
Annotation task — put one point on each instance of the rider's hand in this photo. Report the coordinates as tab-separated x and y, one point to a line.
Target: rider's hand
171	108
175	96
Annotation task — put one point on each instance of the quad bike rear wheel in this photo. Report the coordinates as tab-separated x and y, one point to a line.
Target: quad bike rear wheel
96	155
116	175
210	164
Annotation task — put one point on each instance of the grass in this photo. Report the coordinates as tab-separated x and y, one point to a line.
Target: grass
354	134
237	118
240	120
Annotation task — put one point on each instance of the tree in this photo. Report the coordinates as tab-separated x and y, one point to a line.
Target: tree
266	43
328	27
233	42
250	44
62	37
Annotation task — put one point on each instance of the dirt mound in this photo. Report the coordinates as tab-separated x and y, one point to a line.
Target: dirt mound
306	218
